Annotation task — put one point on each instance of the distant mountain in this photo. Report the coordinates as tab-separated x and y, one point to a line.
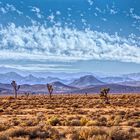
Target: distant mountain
58	86
10	76
131	83
62	88
67	76
115	79
114	88
38	88
134	76
87	80
30	79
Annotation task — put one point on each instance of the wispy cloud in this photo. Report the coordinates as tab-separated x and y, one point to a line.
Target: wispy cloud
90	2
112	9
133	15
10	8
38	42
37	11
40	67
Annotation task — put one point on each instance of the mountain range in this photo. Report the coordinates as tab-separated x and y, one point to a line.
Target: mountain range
29	79
76	84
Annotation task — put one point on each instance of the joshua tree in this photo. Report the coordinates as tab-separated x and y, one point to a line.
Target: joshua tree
15	87
27	94
50	89
86	93
104	94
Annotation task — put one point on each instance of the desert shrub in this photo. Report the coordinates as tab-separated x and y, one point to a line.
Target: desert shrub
40	116
1	110
83	121
97	131
3	127
54	121
17	132
118	134
122	113
75	122
54	133
72	134
92	123
4	137
102	121
66	123
92	134
117	120
136	123
37	133
75	105
84	134
99	137
29	123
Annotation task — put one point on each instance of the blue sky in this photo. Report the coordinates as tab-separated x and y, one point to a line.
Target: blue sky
70	35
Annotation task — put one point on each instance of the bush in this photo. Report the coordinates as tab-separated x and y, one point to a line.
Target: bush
75	122
54	121
83	121
17	132
118	134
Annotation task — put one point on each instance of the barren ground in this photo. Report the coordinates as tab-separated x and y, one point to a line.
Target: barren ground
72	117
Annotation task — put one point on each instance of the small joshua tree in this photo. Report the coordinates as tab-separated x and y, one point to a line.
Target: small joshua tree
15	87
104	94
86	94
50	89
27	94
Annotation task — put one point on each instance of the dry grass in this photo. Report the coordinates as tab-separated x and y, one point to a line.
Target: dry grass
72	117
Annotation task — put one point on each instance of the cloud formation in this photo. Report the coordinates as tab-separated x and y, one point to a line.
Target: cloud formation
133	15
38	42
90	2
9	8
37	11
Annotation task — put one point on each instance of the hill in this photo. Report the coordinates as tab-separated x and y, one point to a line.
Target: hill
87	80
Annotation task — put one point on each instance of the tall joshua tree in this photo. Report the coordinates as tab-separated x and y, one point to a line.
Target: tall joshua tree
15	87
50	89
104	94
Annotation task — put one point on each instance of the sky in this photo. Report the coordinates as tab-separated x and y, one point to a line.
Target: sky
70	35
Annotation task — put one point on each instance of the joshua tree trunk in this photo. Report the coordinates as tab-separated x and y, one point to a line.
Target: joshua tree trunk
15	93
50	90
15	87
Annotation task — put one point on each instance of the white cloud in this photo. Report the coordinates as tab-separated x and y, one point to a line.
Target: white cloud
3	10
90	2
69	9
40	43
40	67
133	15
9	8
51	17
131	10
113	12
37	11
99	10
104	19
95	14
58	13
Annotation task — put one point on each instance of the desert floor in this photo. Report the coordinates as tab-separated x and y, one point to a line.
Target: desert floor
70	117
